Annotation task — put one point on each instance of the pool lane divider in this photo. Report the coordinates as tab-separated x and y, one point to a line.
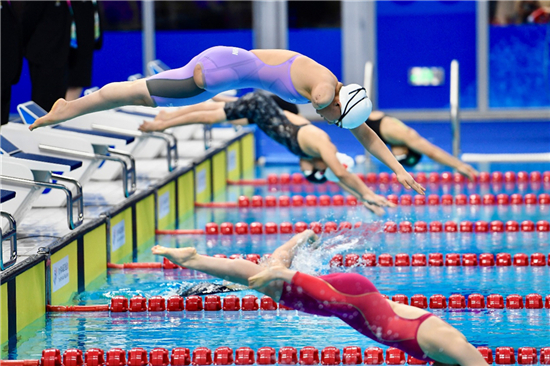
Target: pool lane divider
180	356
509	178
194	303
389	227
384	260
502	199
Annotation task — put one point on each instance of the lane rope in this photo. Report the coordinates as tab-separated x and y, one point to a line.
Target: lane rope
181	356
385	260
194	303
501	199
389	227
509	178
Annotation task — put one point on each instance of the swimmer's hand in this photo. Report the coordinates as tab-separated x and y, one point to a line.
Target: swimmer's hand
151	126
468	171
377	210
56	115
375	199
408	182
310	236
375	202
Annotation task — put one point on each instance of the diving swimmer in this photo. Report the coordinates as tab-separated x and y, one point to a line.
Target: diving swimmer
348	296
308	142
290	75
408	146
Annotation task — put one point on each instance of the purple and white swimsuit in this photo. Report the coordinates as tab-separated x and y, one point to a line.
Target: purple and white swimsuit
223	68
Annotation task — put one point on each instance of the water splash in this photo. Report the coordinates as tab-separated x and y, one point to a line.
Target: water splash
314	259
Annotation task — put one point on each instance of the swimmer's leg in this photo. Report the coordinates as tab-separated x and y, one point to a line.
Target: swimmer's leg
165	115
203	113
445	344
112	95
234	270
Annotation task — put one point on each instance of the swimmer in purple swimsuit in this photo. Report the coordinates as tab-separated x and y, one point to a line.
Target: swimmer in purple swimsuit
290	75
348	296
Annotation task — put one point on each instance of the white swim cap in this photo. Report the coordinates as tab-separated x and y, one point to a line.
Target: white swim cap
355	106
348	163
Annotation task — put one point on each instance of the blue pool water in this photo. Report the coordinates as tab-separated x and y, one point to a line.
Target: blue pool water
484	327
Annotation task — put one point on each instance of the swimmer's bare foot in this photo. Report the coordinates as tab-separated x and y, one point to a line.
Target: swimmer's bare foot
162	115
180	256
56	115
270	274
150	126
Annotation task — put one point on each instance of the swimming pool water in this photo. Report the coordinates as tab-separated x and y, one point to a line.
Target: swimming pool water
483	327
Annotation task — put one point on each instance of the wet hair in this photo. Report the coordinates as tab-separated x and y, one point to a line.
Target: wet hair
315	176
410	159
284	105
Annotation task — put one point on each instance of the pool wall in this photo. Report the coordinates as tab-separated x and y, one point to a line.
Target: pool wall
72	263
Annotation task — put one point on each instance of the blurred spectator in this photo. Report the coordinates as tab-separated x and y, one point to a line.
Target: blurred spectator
88	37
519	12
524	9
12	55
540	15
121	15
46	30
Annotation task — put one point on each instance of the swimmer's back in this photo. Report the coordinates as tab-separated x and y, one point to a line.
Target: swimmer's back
274	57
305	72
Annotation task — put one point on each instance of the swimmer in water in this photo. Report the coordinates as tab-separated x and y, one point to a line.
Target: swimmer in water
348	296
308	142
290	75
408	146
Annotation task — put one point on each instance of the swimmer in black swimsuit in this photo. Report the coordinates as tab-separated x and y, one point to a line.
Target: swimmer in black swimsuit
313	147
408	146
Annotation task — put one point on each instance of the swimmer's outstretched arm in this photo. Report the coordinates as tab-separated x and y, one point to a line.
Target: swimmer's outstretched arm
314	139
350	181
377	210
403	134
366	136
112	95
284	254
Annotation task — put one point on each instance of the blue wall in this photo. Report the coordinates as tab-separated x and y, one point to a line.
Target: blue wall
322	45
519	66
424	33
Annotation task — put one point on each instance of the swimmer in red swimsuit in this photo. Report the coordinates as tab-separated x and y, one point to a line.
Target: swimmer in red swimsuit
348	296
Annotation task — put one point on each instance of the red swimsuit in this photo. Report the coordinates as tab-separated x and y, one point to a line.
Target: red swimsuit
354	299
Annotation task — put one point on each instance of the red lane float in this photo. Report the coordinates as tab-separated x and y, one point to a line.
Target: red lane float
437	260
193	303
76	308
496	177
404	227
403	200
180	356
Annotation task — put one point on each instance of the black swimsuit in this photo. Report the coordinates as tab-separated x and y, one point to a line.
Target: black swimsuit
410	159
374	124
259	108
